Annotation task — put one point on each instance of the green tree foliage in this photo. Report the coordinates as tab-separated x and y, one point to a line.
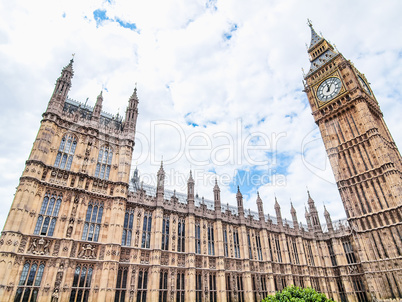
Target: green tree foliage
297	294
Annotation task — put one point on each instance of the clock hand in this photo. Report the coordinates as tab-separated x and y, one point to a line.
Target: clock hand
327	88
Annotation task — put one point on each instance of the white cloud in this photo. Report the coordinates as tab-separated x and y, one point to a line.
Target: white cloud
183	64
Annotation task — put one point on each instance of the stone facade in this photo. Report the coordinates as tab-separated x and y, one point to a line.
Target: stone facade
80	230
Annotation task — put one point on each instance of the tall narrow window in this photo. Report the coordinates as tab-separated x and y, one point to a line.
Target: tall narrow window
331	253
315	283
163	286
341	289
310	254
278	248
81	283
64	157
211	241
225	242
228	288
198	287
240	289
264	290
258	242
121	284
29	284
181	238
146	230
295	251
197	238
142	285
254	287
127	227
180	290
250	249
212	287
350	255
104	162
236	243
93	221
270	247
48	214
165	233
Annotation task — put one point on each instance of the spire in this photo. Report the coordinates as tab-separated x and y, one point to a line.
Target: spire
61	89
315	38
98	106
132	112
136	179
190	190
320	51
260	208
310	201
315	220
294	216
278	212
239	198
217	199
292	209
308	219
277	204
160	188
328	220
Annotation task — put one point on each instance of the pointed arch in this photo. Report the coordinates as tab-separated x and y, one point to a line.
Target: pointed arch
65	155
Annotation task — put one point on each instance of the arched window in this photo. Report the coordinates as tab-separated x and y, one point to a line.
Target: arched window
104	162
48	214
93	221
29	284
128	227
81	283
146	230
66	151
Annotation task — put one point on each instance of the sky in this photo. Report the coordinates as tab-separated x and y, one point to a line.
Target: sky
219	84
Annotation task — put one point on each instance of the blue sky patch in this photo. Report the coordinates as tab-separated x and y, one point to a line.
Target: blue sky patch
131	26
291	116
100	16
249	180
228	35
192	124
211	4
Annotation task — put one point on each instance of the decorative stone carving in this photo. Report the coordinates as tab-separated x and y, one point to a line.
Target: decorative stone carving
56	248
87	251
23	244
55	296
39	246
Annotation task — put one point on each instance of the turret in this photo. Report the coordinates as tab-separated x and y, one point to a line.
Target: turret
260	208
328	220
239	198
217	199
61	89
190	192
315	220
278	212
131	113
294	216
135	180
160	186
308	220
98	107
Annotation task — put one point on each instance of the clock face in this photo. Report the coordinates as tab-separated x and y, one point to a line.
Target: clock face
329	89
364	85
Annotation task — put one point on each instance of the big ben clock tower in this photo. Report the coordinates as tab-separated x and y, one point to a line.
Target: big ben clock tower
365	160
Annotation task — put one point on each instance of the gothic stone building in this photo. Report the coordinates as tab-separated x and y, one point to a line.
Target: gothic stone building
80	230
